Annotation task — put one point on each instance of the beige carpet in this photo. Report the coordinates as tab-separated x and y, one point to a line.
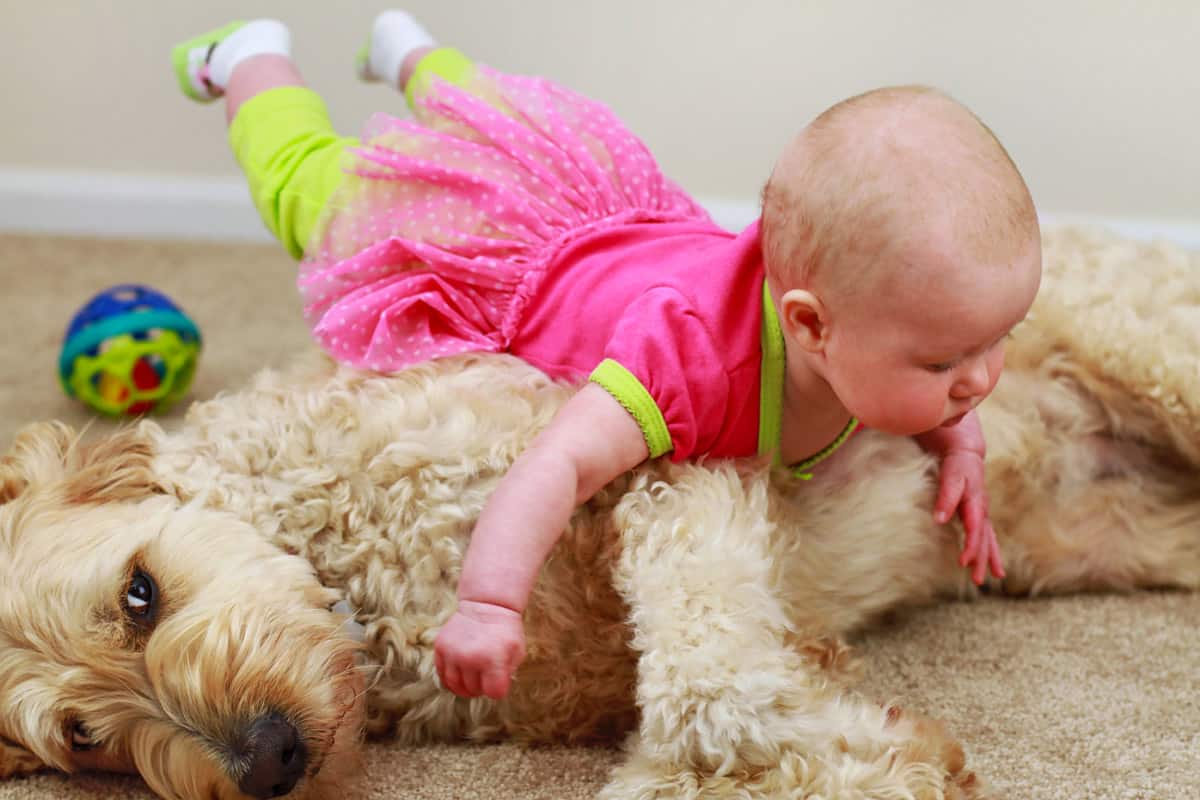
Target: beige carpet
1084	698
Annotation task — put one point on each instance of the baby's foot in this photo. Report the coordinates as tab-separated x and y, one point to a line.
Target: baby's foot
203	64
395	35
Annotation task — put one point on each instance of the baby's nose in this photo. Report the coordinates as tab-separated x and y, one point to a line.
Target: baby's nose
975	380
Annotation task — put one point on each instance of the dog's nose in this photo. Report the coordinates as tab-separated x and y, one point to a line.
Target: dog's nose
277	757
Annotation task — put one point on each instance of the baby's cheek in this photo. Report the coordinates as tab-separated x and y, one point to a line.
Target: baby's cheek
905	412
995	364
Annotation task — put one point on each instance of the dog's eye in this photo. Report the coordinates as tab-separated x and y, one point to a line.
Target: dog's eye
141	599
80	737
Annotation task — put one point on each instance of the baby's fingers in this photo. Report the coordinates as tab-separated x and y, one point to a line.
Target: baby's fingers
975	526
498	674
452	679
950	492
980	565
970	550
988	555
981	551
496	682
472	682
995	560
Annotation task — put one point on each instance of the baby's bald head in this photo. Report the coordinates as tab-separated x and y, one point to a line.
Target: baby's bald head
885	172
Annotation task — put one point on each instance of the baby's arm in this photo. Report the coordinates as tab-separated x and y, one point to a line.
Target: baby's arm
590	441
961	449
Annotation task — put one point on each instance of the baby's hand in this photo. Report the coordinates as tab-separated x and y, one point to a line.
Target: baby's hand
478	649
962	487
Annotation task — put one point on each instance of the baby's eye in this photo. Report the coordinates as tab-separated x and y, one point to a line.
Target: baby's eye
945	366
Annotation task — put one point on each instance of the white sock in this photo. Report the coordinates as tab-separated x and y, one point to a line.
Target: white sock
260	37
394	35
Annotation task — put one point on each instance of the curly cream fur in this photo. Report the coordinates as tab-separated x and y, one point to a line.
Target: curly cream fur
696	608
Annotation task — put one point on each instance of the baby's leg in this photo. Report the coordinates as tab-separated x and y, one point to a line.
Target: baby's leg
279	130
397	42
206	65
257	74
402	54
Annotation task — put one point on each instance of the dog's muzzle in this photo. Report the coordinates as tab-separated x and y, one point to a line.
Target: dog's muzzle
277	757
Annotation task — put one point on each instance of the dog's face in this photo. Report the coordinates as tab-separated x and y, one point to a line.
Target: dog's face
138	634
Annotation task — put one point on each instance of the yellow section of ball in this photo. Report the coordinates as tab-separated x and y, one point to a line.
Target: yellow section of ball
112	388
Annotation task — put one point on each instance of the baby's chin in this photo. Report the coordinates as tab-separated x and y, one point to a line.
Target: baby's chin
899	427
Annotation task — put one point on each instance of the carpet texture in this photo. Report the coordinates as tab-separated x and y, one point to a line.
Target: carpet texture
1079	698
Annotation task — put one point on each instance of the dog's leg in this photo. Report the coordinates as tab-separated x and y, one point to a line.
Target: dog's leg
1123	531
16	761
728	707
1079	504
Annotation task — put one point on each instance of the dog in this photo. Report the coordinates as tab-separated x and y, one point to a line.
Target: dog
167	599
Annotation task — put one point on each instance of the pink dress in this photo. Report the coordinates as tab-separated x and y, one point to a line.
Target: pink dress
521	217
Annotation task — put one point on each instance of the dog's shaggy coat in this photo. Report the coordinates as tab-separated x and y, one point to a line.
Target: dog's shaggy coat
163	596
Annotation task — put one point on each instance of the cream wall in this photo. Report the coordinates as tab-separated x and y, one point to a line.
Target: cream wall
1099	102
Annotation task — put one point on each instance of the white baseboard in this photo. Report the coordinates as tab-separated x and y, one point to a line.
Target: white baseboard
124	205
190	207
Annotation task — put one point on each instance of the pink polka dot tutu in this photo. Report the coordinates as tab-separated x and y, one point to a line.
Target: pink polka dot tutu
447	223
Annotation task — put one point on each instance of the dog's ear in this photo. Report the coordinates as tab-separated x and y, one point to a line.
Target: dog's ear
37	451
115	468
112	469
16	761
12	482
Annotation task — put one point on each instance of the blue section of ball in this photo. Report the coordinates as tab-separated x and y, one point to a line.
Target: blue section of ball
116	300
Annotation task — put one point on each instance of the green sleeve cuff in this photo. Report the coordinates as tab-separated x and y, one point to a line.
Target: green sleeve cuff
624	386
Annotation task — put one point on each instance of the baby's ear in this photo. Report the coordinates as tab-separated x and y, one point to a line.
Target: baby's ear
803	318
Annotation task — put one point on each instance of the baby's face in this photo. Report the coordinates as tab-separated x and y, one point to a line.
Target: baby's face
924	352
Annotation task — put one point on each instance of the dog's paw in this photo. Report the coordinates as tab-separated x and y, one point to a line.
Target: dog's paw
836	659
16	760
928	741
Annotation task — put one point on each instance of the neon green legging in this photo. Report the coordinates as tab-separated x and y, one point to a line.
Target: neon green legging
292	157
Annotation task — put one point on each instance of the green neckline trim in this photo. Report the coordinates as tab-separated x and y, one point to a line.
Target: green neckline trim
770	382
803	470
770	396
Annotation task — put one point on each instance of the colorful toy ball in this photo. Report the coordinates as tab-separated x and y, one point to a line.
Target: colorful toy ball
129	351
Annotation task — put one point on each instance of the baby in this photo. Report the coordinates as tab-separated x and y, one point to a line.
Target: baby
898	246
